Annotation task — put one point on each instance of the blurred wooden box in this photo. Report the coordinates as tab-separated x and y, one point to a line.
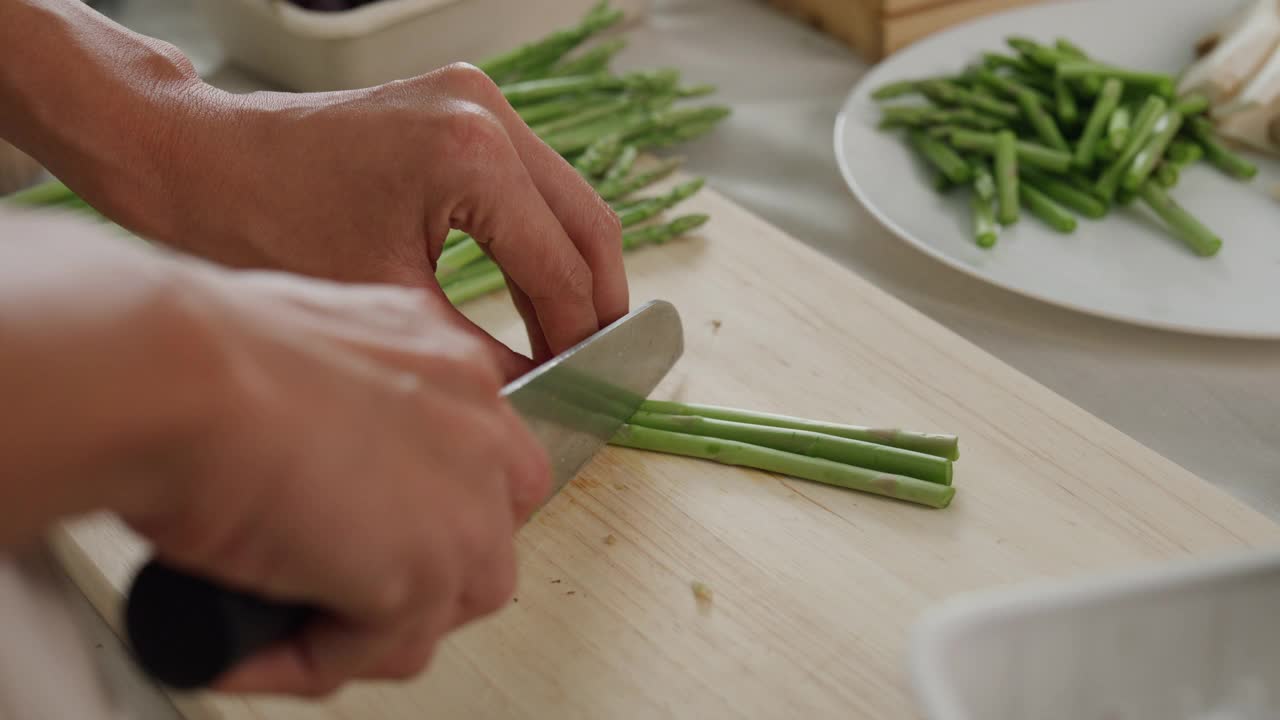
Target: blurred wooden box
876	28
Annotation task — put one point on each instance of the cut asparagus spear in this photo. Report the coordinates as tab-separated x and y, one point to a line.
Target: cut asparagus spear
621	167
1042	121
1007	177
1108	99
1199	238
1159	83
985	230
1065	193
1150	113
1028	152
1043	207
941	156
1142	165
859	453
730	452
944	446
1217	153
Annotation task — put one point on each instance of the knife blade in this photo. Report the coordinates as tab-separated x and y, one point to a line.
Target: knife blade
185	631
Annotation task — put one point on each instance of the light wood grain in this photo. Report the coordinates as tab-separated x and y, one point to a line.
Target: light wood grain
877	28
903	30
815	588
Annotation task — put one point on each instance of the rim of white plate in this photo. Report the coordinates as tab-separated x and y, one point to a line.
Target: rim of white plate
872	79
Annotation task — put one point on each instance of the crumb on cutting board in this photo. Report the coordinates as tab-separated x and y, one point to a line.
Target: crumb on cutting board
610	539
571	592
702	593
556	581
715	325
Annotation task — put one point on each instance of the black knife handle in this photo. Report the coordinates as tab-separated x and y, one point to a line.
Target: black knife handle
186	631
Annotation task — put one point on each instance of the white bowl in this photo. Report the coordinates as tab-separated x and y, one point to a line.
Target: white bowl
1191	641
387	40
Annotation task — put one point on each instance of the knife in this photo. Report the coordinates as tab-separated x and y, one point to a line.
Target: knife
185	631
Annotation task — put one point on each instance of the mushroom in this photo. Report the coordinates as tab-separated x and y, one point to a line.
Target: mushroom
1240	48
1252	117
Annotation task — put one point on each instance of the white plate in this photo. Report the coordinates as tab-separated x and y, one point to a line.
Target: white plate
1125	266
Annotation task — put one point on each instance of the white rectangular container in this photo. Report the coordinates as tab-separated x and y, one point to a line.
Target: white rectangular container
1190	641
387	40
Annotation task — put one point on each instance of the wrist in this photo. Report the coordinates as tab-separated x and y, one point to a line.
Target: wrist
106	110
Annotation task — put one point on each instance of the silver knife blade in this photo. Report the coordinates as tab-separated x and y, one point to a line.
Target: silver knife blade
575	402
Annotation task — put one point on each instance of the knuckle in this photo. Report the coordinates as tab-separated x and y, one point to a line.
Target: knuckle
468	80
413	662
569	279
392	598
472	136
501	589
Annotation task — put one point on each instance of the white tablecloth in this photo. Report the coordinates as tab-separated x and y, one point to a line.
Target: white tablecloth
1210	405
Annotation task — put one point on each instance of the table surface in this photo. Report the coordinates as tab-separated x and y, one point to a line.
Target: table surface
1210	405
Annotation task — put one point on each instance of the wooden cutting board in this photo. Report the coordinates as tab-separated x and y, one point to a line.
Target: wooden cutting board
814	589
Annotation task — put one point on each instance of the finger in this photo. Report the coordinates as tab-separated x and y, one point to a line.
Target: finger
491	585
588	220
539	350
511	363
504	211
528	468
411	657
327	654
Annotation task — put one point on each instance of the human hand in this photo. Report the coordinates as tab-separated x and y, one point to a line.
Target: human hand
362	462
363	186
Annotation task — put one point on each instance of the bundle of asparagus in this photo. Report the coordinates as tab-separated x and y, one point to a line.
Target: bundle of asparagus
599	120
910	466
1053	131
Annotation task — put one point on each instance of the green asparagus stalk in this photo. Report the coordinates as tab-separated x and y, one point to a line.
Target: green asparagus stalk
1148	116
593	60
982	210
944	446
658	234
996	61
1159	83
1043	207
1068	110
1186	227
562	107
52	192
895	90
1103	109
1192	104
1144	163
1010	88
1041	121
941	156
643	211
454	237
947	93
1091	84
730	452
621	187
1166	175
621	166
529	91
599	155
582	117
1006	157
858	453
455	258
693	91
984	183
638	125
1217	153
1064	192
1033	51
1184	152
1027	152
1119	125
551	47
